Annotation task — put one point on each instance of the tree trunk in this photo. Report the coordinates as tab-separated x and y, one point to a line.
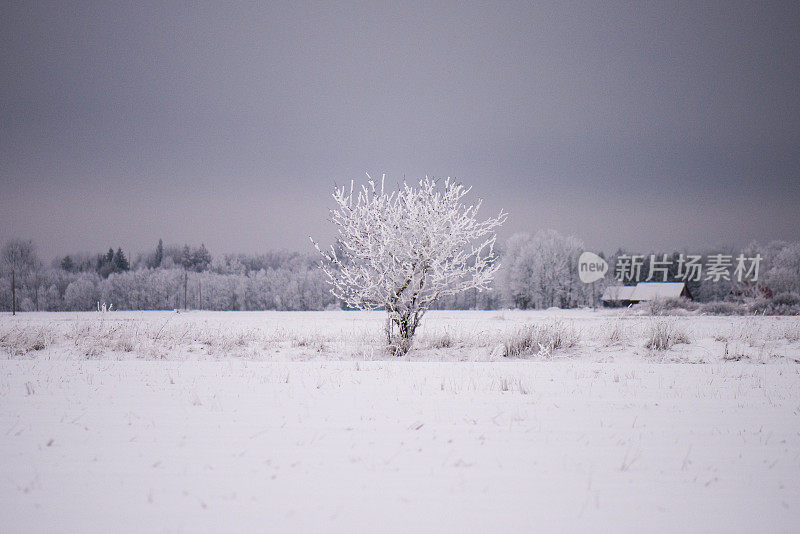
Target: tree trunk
13	293
400	343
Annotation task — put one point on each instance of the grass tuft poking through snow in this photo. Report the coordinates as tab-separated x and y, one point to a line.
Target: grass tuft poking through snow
662	334
791	332
20	341
445	336
441	340
615	334
540	339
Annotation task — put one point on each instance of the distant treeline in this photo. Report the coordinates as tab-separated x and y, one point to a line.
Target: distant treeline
541	270
167	278
538	271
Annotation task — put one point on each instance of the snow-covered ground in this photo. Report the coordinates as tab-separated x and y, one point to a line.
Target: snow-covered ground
202	421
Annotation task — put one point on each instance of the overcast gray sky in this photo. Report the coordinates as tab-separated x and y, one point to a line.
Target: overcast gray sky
649	125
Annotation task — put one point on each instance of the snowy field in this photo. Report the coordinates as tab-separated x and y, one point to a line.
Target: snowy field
496	421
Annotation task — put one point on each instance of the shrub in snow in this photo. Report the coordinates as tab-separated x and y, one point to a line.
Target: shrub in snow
722	308
400	251
18	341
671	306
438	340
781	304
615	333
663	334
540	339
452	338
791	332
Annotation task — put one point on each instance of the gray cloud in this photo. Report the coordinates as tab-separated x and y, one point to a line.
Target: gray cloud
625	123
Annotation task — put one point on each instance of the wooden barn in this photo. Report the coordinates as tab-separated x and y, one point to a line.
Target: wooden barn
642	292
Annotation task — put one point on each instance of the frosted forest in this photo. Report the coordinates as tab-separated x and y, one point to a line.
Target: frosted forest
537	270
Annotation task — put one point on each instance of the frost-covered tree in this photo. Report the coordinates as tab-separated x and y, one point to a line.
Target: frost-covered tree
82	293
20	256
120	261
159	256
541	271
784	269
196	259
201	259
67	264
400	251
20	259
186	257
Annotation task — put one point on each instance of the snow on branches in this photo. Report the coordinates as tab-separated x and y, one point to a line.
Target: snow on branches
402	250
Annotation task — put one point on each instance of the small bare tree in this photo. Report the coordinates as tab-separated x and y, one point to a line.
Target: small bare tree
402	250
